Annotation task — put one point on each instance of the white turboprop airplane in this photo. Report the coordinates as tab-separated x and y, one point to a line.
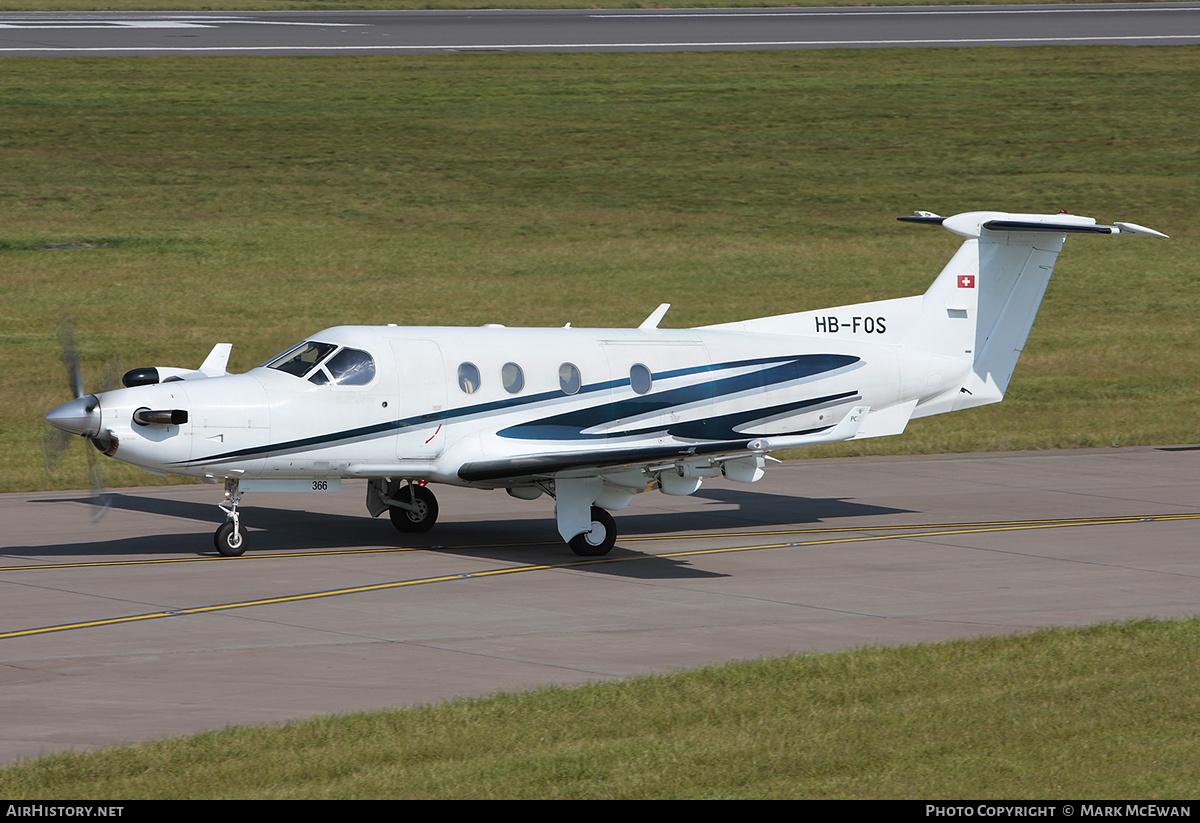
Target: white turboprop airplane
588	416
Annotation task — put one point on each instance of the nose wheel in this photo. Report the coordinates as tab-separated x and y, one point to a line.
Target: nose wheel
230	538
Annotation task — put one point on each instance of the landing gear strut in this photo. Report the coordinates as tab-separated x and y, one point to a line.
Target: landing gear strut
230	538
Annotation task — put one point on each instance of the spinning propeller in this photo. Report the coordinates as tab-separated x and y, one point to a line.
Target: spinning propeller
82	417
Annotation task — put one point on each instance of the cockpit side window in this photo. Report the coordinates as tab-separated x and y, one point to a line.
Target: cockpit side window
299	360
351	367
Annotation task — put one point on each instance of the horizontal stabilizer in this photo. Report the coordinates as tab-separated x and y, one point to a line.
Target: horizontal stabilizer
1069	228
973	224
923	217
1052	228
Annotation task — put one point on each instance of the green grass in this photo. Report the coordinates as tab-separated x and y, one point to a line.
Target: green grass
257	200
1102	712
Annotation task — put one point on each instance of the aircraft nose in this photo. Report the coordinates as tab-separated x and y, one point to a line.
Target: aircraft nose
79	416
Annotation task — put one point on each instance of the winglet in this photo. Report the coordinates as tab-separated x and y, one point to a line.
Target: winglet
1134	228
846	429
655	317
217	361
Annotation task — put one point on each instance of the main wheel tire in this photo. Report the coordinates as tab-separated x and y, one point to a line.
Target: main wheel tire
600	540
423	518
230	543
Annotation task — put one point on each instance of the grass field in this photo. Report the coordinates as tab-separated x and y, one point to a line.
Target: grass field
257	200
1104	712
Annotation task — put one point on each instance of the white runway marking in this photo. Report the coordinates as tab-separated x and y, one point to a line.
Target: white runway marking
891	13
113	24
177	23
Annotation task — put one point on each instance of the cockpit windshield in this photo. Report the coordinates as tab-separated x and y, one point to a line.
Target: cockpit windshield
349	367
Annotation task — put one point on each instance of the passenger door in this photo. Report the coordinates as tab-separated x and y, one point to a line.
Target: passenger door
422	398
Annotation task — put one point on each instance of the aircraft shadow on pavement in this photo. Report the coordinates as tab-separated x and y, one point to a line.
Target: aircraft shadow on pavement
525	539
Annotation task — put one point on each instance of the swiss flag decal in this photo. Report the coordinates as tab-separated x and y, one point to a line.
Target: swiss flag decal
966	281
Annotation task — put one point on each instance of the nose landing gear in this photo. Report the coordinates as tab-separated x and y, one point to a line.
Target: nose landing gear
230	538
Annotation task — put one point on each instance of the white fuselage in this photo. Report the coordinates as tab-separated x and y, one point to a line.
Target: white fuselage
442	398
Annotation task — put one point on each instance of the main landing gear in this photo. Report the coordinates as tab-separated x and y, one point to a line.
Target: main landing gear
414	509
600	540
582	522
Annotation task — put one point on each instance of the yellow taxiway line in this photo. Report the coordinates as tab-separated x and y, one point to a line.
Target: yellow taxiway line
894	533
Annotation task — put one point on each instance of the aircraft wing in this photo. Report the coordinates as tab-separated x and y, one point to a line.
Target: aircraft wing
544	465
547	464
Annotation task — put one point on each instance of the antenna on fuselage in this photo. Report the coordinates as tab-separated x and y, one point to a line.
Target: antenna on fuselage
655	317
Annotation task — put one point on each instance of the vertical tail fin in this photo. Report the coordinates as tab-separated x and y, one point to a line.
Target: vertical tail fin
983	304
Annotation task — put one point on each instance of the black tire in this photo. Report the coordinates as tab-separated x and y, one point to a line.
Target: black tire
600	540
421	520
229	543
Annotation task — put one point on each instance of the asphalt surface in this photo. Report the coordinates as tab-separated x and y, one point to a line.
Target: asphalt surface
433	32
134	629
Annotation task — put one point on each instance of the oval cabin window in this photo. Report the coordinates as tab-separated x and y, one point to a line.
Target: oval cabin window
468	378
512	377
569	379
640	378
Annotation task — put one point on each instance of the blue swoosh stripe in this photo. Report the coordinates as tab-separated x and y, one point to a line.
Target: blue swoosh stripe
571	425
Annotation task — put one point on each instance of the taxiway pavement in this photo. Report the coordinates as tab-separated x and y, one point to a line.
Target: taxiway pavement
133	628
